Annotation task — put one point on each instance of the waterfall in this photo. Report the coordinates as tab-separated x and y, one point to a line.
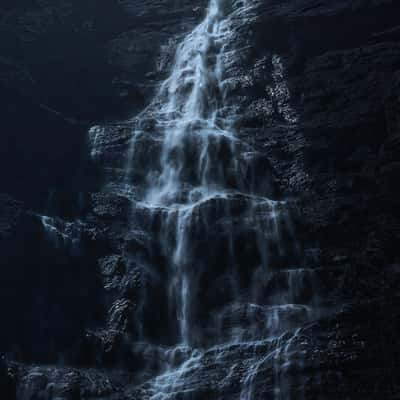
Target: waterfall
204	196
198	156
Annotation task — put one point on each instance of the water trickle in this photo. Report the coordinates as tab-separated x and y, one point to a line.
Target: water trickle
63	234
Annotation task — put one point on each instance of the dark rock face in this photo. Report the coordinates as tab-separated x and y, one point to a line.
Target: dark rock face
315	90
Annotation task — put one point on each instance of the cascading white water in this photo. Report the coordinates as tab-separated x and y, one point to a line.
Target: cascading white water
190	117
189	108
199	164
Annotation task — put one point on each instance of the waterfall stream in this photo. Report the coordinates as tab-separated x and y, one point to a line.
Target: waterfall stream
198	158
233	278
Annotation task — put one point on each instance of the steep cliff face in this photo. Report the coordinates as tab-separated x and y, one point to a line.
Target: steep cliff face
200	204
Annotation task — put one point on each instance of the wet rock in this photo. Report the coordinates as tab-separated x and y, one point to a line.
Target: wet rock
66	383
108	205
33	385
8	381
113	269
